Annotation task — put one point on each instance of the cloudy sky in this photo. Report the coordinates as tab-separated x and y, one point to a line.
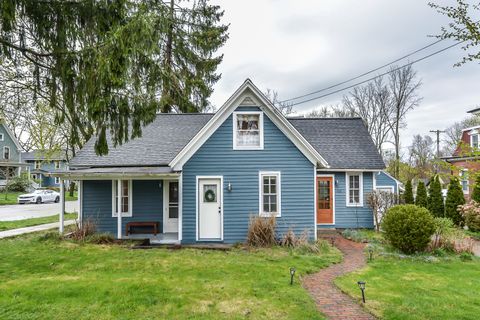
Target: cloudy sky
299	46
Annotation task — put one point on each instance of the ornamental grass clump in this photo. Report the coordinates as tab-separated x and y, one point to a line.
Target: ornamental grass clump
471	214
261	231
408	228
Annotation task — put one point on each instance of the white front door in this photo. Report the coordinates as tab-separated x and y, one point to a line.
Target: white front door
209	209
170	213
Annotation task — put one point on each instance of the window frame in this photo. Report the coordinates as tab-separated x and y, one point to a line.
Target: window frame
56	164
2	136
347	189
9	153
235	129
130	200
37	165
57	180
463	174
278	175
475	134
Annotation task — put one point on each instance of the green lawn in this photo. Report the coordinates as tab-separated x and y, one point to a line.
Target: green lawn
49	279
7	225
11	198
414	289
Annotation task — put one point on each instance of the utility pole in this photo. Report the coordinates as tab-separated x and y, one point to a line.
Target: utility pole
437	132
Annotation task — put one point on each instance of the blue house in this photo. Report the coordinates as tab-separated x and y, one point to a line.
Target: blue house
200	177
10	160
41	164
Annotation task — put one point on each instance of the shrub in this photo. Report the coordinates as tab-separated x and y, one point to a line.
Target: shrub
100	238
81	232
261	231
421	199
317	247
444	230
471	214
408	228
18	184
476	190
435	198
455	198
408	195
289	239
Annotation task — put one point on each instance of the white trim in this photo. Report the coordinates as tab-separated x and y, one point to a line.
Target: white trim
278	174
166	201
116	176
397	182
333	200
235	129
130	202
9	152
180	206
57	180
315	200
347	189
197	191
61	224
247	89
385	187
470	128
80	202
348	170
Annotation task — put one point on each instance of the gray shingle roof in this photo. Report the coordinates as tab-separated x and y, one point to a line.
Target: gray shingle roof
160	142
344	143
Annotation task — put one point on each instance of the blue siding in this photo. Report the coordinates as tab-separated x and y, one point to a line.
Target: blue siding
351	217
241	169
384	180
8	142
49	166
147	198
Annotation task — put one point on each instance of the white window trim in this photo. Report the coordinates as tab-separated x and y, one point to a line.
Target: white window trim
461	173
37	164
260	127
9	153
57	180
260	192
347	189
472	134
57	164
2	137
124	214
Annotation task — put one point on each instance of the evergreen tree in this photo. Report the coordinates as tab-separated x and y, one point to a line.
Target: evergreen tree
110	66
421	199
455	198
476	190
408	195
435	198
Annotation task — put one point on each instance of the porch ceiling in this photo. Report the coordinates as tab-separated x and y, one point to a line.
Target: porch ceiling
116	172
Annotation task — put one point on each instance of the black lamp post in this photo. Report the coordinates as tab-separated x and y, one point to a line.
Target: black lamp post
292	274
361	285
370	253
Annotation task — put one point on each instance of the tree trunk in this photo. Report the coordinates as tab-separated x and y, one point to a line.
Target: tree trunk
166	91
71	189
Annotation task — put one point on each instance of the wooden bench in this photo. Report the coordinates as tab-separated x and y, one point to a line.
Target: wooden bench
152	224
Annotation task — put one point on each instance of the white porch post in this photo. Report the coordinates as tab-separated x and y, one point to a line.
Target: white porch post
62	206
80	202
119	206
180	206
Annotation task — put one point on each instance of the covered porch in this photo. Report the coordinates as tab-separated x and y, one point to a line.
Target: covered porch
129	202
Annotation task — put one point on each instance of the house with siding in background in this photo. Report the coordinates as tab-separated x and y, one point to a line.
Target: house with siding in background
41	164
10	160
196	178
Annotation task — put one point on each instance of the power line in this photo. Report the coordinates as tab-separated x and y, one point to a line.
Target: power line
365	73
377	76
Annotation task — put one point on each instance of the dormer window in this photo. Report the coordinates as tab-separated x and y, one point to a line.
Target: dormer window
6	153
474	139
248	130
1	137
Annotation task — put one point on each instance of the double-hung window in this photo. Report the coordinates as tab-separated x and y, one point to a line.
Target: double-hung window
6	153
354	189
248	130
122	198
270	194
37	165
474	140
57	164
464	180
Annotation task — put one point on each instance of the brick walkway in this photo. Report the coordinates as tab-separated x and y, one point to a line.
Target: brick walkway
332	302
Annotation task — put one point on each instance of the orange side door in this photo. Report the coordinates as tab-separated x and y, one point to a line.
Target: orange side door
324	200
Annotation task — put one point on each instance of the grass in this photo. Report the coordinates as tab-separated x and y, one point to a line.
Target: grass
474	234
8	225
51	279
363	235
415	289
11	197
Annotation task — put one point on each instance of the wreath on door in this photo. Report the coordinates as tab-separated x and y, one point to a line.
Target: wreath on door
209	196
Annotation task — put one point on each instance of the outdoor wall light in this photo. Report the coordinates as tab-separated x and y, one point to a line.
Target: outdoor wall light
229	187
361	285
292	274
336	183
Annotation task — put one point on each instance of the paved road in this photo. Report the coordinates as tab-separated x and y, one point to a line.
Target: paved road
27	211
42	227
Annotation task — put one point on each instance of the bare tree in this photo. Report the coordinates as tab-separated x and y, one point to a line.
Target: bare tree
380	202
403	86
335	111
372	103
422	155
284	107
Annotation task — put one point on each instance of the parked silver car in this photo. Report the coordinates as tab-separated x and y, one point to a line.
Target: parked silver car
39	196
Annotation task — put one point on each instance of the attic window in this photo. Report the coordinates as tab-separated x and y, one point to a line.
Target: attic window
248	130
474	140
1	137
